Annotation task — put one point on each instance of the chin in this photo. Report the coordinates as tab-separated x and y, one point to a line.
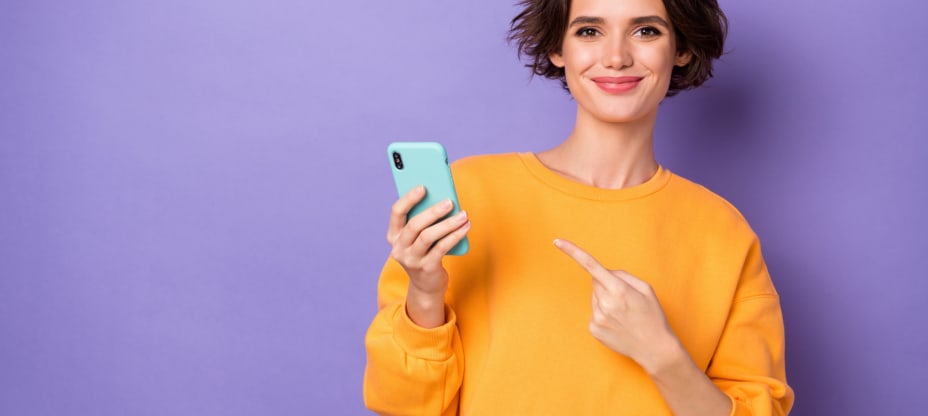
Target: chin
629	111
622	117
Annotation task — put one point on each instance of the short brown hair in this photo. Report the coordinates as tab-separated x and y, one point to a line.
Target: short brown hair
700	27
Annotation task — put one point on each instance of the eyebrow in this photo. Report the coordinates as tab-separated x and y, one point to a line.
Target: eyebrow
656	20
586	20
591	20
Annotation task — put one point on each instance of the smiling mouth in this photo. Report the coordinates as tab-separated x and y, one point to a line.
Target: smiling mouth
617	85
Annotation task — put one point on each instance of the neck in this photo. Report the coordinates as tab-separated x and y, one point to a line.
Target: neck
605	155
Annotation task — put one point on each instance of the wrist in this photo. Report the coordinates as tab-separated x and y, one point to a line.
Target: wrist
668	358
685	387
425	309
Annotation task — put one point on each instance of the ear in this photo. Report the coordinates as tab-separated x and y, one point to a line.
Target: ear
683	58
556	59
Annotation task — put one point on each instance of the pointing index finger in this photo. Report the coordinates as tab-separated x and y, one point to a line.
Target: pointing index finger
582	258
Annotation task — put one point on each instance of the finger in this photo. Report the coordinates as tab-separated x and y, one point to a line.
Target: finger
584	259
639	285
410	232
400	210
598	319
439	230
448	242
597	309
430	216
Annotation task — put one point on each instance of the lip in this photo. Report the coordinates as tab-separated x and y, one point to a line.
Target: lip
617	85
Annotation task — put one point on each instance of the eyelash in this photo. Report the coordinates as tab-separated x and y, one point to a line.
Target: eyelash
653	31
587	32
646	31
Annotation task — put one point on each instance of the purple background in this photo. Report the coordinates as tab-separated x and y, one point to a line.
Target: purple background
195	193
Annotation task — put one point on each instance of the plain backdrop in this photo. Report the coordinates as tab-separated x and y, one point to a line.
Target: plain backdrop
194	193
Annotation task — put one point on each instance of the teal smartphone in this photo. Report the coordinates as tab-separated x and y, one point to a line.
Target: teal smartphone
425	163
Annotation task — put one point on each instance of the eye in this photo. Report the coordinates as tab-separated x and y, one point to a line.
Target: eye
648	32
587	32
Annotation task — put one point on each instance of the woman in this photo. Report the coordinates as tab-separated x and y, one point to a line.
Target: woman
654	298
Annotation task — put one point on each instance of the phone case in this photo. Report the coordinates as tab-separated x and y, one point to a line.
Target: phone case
425	163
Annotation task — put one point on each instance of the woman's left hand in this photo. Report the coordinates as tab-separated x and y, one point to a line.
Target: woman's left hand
627	316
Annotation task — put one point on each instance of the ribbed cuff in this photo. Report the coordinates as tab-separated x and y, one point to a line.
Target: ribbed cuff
425	343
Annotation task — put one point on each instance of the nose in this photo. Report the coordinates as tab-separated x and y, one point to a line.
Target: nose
617	53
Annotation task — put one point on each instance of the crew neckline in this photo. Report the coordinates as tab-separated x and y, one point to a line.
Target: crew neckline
581	190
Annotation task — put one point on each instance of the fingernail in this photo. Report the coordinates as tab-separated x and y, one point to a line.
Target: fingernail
557	242
461	216
447	204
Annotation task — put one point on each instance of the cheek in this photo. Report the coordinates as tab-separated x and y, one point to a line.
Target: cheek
660	62
578	60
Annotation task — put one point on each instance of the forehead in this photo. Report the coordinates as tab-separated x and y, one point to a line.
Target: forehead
617	9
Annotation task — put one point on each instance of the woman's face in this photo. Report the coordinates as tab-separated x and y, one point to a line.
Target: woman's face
618	56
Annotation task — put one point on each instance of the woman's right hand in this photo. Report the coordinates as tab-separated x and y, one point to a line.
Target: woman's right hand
419	245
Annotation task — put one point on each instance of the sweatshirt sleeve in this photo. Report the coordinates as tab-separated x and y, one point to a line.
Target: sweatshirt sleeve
410	370
748	364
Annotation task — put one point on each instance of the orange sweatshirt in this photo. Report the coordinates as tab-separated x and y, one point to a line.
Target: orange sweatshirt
517	338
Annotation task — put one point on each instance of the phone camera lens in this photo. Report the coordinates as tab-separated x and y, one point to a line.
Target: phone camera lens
397	160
